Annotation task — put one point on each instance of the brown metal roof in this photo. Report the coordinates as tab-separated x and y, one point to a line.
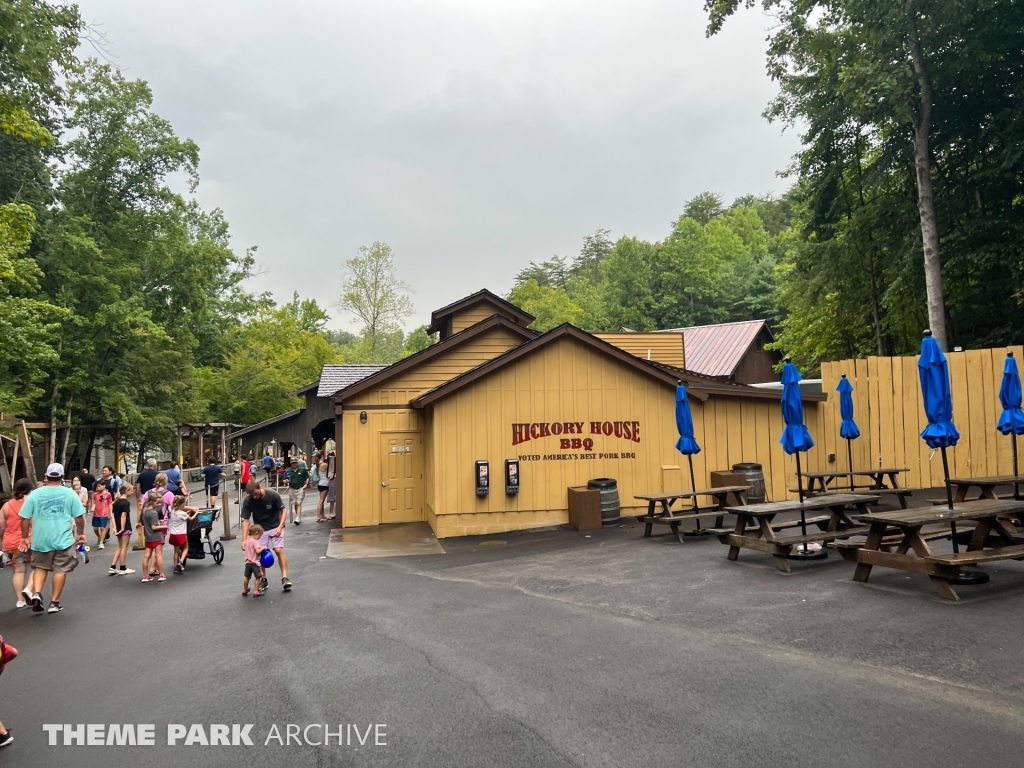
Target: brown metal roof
716	350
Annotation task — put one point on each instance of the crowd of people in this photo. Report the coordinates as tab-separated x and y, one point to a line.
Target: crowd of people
44	528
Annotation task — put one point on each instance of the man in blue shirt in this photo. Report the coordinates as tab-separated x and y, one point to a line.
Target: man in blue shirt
175	482
49	510
268	466
212	473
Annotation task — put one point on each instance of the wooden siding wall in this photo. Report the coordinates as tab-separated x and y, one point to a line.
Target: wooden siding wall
570	382
473	314
432	373
757	366
889	411
360	465
664	348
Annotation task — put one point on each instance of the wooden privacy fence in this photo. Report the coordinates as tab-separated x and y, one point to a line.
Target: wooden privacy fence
889	411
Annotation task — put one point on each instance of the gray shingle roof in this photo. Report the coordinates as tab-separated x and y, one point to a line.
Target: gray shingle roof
335	378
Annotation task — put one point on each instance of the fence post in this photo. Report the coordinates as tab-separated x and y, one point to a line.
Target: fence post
225	513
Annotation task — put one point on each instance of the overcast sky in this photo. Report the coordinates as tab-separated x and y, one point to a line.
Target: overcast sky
470	135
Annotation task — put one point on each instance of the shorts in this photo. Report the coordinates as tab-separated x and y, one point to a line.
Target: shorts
154	544
296	496
274	542
125	532
177	539
14	555
59	561
100	522
253	569
330	494
212	490
324	487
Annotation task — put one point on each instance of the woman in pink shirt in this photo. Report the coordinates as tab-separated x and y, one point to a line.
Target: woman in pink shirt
10	524
101	501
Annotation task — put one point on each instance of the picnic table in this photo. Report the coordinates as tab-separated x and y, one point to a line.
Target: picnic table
994	538
835	525
673	518
882	481
987	485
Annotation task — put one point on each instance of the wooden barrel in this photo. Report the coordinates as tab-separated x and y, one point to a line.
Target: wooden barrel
755	479
610	506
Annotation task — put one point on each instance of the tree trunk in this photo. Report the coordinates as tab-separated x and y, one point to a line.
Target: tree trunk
51	439
140	462
925	196
67	434
88	452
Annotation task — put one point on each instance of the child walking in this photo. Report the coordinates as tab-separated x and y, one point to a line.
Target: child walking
153	531
122	525
177	531
7	653
100	504
253	569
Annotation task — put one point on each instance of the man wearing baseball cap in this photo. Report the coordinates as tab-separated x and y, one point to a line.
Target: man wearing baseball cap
50	509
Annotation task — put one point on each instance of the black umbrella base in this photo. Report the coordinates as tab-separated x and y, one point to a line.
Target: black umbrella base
968	578
809	554
699	532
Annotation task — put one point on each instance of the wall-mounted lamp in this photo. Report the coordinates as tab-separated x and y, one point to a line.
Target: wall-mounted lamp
362	417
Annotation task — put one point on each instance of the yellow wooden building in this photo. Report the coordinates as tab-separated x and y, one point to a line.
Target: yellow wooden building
566	404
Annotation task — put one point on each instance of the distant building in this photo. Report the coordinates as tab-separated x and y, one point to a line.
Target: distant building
304	429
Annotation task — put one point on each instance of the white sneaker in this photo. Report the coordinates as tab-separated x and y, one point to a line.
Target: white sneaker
100	545
127	572
21	604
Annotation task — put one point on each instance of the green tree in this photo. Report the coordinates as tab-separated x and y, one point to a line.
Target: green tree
374	294
418	340
550	306
277	351
922	90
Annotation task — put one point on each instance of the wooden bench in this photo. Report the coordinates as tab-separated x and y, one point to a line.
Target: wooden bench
673	518
991	526
979	556
837	525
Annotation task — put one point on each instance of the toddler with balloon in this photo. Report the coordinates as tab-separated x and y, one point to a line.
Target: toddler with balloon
257	558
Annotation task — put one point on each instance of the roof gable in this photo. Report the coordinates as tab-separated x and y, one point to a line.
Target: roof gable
433	351
663	374
439	317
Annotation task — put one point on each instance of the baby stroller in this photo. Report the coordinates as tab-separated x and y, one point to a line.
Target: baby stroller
199	541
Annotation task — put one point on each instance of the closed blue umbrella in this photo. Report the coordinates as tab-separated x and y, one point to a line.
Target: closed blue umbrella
795	437
686	444
941	432
848	428
1011	420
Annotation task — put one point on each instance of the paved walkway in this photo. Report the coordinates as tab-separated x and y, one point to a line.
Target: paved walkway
551	649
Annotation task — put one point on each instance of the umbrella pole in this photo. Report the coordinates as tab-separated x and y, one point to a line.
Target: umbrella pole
949	498
693	484
849	458
1016	485
800	492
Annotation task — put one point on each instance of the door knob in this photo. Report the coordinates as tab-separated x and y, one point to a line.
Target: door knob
383	485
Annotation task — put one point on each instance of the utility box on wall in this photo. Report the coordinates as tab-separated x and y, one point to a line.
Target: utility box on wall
584	508
483	478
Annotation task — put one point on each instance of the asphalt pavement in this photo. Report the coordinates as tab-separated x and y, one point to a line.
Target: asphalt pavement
550	648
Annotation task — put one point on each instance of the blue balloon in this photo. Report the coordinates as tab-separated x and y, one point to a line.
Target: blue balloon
267	558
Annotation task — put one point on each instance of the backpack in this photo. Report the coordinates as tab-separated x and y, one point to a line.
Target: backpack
314	475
